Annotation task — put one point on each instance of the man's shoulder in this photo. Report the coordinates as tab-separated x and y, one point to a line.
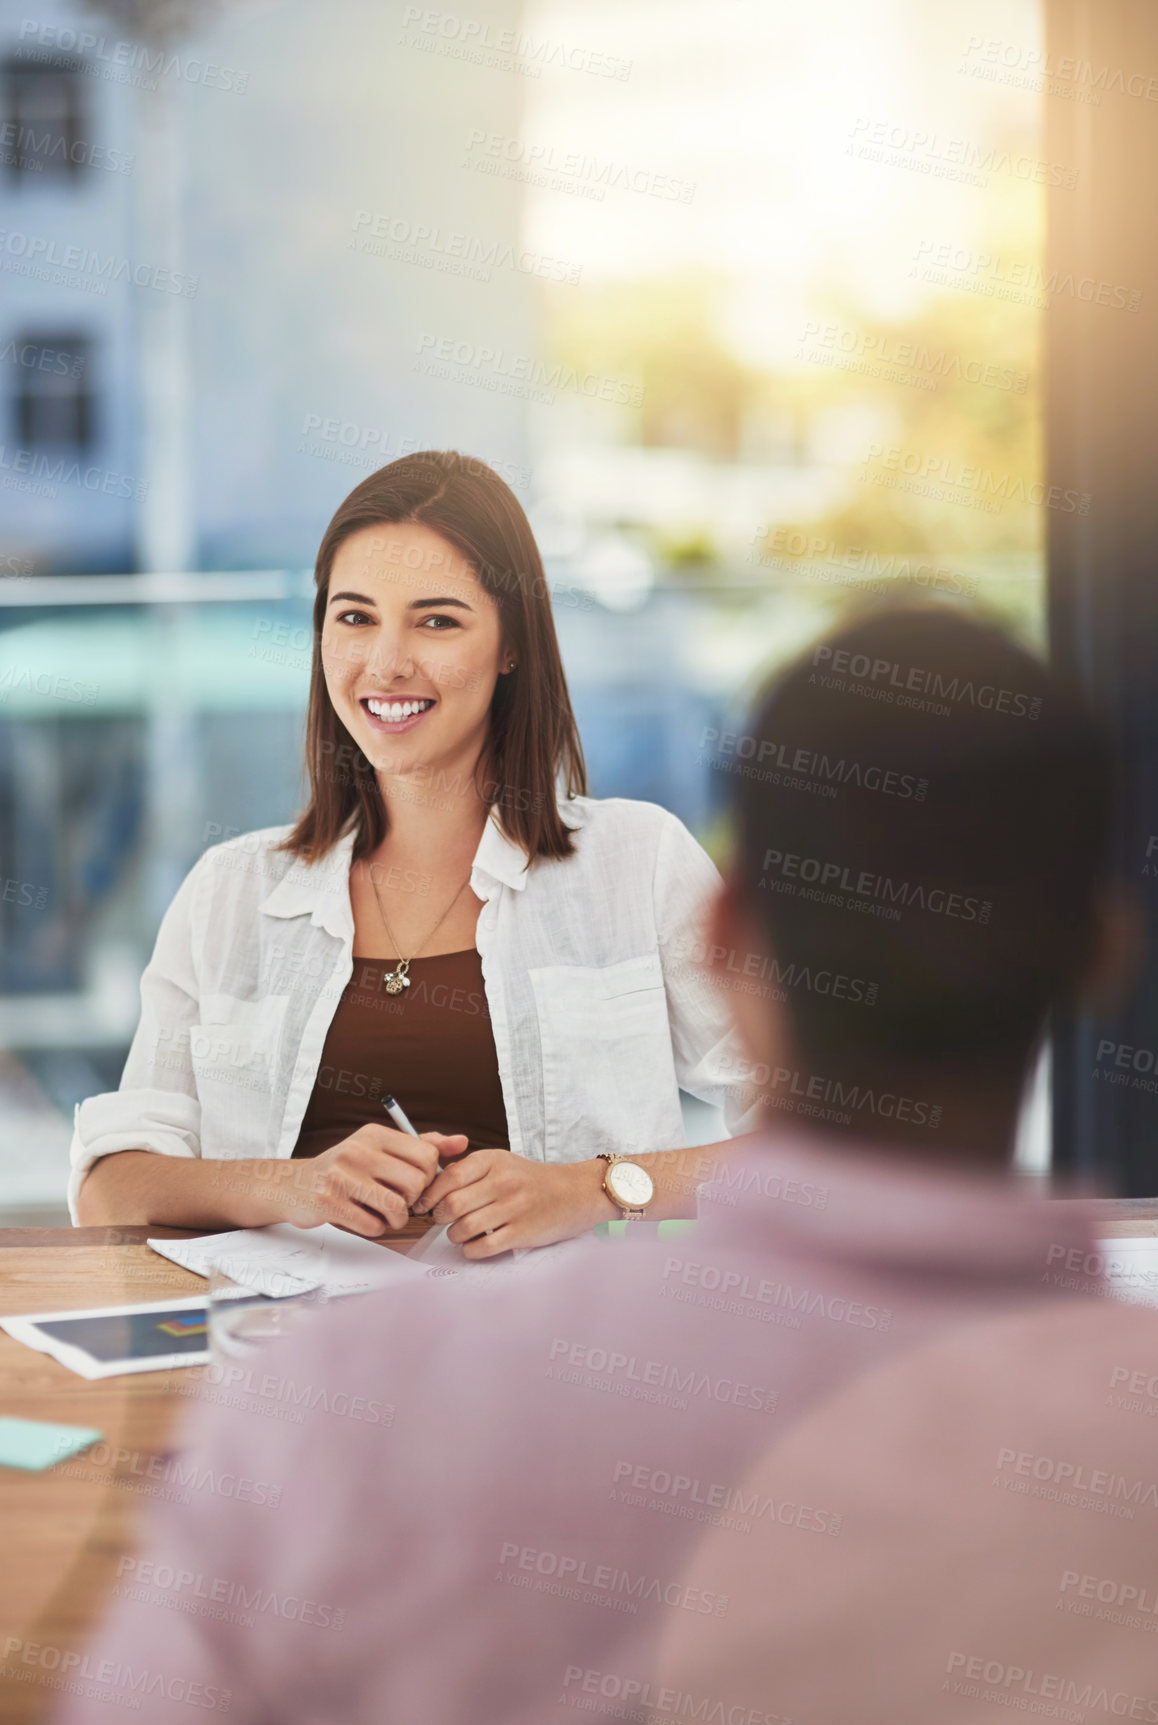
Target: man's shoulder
1079	1364
1058	1378
987	1479
1054	1337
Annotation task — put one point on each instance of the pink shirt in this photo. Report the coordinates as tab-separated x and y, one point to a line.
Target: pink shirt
997	1557
475	1503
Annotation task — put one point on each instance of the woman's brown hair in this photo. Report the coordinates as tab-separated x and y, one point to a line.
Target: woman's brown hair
534	741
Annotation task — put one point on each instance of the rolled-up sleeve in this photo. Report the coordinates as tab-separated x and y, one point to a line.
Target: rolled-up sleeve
707	1053
156	1107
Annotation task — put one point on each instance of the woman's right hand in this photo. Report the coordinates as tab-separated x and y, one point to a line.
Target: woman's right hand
368	1182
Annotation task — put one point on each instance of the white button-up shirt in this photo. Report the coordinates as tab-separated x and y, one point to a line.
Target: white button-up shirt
599	1011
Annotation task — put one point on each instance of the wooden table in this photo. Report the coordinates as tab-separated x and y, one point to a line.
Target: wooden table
65	1529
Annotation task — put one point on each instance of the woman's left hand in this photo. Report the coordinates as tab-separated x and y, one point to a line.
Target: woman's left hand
496	1201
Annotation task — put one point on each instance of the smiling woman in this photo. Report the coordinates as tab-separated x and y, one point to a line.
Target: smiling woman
451	920
436	545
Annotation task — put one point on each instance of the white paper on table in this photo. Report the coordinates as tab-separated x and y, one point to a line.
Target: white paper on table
282	1260
1131	1268
436	1250
439	1255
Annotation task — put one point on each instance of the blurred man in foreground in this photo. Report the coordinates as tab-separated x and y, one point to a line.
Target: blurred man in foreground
922	822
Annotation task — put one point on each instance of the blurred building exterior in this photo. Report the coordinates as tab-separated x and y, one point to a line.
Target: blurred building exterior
299	174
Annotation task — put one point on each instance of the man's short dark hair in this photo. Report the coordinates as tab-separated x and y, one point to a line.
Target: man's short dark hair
924	806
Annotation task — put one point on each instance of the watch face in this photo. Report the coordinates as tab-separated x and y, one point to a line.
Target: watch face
630	1184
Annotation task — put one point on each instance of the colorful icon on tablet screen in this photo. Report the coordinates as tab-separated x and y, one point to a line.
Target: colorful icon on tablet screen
195	1324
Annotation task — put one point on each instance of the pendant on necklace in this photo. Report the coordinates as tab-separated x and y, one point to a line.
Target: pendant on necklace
395	982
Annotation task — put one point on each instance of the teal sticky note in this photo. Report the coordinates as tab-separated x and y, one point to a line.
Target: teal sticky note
37	1444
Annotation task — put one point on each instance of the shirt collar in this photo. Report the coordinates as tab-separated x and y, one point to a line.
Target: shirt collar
321	890
500	858
858	1203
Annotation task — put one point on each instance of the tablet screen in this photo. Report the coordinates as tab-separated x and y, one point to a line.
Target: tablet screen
117	1336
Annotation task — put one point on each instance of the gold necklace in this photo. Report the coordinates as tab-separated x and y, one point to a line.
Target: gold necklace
399	978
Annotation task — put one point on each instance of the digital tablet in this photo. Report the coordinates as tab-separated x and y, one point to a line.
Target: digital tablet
107	1341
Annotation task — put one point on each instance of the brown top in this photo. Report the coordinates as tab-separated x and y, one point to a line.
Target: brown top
431	1046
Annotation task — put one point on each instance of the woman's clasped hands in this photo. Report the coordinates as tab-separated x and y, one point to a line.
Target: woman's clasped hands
490	1200
495	1201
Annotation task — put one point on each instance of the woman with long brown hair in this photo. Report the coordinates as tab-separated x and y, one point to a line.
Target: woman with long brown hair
451	922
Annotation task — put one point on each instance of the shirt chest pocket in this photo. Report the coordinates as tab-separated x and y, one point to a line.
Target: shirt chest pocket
607	1056
236	1038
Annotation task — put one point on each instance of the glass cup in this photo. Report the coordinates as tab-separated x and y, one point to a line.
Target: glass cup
242	1322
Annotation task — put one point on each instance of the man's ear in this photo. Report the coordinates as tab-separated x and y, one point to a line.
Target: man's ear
1118	950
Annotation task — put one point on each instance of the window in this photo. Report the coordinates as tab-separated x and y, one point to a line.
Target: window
43	119
53	396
